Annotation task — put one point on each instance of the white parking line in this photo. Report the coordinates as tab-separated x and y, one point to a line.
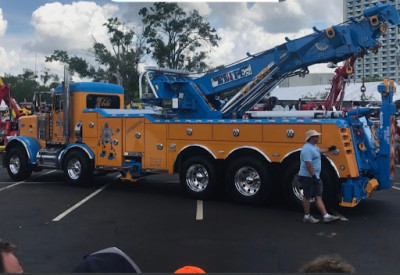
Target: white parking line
397	188
199	211
11	186
45	173
20	182
65	213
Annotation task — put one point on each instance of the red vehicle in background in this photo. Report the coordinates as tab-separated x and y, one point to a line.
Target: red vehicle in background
9	120
334	100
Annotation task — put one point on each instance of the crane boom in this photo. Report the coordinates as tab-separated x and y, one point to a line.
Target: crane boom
253	78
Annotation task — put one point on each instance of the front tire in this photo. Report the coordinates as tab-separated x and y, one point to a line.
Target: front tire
198	177
249	181
17	162
77	168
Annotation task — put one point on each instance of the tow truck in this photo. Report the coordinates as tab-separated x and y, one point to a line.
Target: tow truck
202	129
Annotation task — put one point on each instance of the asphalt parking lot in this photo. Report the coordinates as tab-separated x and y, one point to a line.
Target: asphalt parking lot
54	224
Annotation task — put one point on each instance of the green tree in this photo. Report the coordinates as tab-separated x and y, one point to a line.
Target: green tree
177	39
22	86
374	78
116	65
76	64
317	95
48	78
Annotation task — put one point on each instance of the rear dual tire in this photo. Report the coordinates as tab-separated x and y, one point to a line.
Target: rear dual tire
198	177
293	192
248	181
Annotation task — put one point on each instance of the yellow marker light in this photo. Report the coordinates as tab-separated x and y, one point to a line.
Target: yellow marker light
330	32
374	21
372	185
348	204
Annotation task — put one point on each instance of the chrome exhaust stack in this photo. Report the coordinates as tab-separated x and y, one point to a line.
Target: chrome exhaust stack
67	103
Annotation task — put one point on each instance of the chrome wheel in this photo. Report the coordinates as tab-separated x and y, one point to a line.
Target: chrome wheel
197	177
14	164
74	168
247	181
17	163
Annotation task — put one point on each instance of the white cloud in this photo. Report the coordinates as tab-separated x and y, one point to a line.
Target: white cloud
69	27
235	44
3	24
8	60
262	26
202	7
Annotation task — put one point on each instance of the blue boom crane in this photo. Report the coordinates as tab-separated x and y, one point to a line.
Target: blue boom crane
259	74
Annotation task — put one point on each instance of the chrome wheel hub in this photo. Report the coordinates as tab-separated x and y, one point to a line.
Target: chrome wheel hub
74	169
15	164
247	181
197	178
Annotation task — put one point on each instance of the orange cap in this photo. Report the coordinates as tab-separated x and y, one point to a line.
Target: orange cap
189	269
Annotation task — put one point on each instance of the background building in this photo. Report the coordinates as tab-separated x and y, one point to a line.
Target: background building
383	63
308	80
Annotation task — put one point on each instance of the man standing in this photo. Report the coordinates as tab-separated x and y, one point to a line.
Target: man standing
8	262
309	176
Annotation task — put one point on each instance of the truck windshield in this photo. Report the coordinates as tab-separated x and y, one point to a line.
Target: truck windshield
58	102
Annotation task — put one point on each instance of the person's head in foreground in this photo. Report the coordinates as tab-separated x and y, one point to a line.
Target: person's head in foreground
328	264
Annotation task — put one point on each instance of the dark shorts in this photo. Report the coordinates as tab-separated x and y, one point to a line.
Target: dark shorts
310	189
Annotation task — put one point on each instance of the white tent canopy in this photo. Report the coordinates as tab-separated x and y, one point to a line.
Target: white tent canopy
352	92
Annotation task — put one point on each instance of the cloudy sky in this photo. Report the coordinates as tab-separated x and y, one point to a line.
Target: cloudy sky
33	29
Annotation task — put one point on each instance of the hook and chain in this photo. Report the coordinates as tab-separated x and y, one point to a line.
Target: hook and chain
362	88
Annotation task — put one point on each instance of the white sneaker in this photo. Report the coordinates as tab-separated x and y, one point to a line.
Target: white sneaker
331	218
310	219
